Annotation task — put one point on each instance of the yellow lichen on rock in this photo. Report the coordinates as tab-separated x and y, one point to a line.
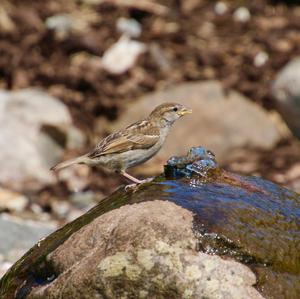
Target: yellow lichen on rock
118	264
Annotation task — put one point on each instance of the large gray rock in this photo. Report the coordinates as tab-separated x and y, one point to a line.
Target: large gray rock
222	122
286	90
138	251
34	129
174	237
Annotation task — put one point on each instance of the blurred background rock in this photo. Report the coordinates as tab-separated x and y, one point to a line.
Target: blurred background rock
73	71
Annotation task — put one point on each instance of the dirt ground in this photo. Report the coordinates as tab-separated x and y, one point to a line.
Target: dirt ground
195	42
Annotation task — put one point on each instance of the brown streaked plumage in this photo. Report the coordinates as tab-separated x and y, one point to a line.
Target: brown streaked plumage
133	145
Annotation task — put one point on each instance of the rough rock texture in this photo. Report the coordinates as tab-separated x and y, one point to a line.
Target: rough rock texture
193	207
246	125
286	90
34	129
138	251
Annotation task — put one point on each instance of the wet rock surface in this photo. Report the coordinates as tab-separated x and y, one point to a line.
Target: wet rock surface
156	238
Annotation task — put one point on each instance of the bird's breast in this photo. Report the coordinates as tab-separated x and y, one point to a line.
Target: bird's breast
138	156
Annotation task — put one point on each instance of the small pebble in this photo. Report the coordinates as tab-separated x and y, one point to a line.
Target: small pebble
122	55
221	8
61	208
35	208
260	59
129	27
242	14
12	201
60	23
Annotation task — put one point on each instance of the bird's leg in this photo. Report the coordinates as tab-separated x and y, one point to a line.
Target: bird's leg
133	179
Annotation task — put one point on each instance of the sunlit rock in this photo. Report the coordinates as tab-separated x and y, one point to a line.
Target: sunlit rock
122	55
196	231
286	91
35	128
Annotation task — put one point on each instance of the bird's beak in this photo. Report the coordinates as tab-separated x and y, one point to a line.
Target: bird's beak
184	111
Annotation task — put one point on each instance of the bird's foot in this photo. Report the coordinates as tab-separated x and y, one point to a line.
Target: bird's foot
131	187
135	186
133	179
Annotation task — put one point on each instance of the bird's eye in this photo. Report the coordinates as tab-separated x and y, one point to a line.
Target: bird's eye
175	109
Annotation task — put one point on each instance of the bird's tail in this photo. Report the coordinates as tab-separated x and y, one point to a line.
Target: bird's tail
64	164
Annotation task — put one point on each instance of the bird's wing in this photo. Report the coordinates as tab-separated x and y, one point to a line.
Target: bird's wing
138	136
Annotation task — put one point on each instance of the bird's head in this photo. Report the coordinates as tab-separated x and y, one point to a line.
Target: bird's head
169	112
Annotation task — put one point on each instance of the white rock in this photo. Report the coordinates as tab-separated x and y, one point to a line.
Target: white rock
60	208
286	91
27	148
287	83
220	8
122	56
12	201
77	21
260	59
242	14
130	27
36	107
35	208
60	23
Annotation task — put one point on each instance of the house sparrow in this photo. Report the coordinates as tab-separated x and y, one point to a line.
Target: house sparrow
133	145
